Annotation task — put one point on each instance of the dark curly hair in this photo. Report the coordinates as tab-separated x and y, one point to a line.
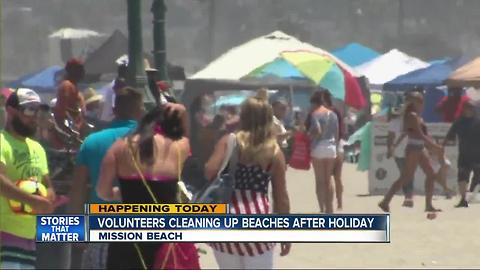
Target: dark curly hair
171	125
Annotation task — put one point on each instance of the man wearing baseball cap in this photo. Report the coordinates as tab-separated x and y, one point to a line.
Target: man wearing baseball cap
21	158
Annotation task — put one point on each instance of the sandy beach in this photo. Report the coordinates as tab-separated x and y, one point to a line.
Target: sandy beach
451	240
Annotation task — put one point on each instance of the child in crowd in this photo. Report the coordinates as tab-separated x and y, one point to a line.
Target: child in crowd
299	121
441	166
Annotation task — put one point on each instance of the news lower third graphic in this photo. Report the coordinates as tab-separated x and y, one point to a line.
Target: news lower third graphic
211	223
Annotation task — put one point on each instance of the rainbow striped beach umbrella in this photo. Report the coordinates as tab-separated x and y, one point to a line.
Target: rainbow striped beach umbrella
319	69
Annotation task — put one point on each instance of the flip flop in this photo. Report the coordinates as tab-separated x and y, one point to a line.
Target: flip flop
433	210
385	208
408	203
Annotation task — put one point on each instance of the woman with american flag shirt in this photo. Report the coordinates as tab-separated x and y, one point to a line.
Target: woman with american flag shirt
260	161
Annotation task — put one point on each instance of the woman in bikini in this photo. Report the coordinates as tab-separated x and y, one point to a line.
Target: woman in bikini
415	153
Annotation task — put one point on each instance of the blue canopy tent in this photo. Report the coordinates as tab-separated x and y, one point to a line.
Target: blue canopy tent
439	61
18	82
44	80
430	78
355	54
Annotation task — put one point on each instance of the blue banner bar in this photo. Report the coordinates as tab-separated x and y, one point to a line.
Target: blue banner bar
60	228
240	222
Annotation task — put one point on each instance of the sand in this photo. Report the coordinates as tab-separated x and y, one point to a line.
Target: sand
451	240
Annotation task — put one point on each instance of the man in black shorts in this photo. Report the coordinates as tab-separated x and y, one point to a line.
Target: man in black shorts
467	130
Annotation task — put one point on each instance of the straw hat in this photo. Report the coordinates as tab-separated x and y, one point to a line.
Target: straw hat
90	95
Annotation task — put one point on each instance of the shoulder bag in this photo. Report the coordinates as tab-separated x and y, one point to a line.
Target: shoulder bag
221	188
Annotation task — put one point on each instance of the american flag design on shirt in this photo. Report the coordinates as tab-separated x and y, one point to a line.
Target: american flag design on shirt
250	196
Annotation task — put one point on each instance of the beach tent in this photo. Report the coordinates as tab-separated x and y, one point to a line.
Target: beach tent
439	61
431	76
466	75
103	59
44	80
431	99
355	54
389	66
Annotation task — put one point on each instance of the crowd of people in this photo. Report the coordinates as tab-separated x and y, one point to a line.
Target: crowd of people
131	155
136	157
323	124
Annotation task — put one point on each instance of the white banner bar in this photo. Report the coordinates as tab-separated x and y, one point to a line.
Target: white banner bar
204	236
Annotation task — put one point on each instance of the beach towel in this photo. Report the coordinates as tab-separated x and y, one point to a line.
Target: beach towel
364	135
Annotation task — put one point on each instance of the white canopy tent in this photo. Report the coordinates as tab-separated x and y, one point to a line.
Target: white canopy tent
72	33
389	66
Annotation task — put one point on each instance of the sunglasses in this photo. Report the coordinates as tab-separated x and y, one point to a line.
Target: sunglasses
29	110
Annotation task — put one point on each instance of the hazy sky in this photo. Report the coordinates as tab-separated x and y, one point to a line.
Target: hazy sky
429	29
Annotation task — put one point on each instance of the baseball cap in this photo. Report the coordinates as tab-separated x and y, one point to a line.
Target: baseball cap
23	96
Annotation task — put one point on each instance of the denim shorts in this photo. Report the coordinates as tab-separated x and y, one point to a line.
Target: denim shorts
323	151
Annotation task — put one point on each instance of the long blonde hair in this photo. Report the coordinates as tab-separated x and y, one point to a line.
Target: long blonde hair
409	106
256	139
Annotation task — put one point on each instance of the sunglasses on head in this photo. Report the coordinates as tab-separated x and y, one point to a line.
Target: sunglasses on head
29	110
